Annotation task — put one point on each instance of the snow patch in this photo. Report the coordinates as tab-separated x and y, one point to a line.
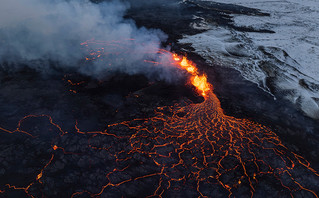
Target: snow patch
284	63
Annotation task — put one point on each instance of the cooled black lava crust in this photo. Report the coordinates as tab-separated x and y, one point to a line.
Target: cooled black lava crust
96	104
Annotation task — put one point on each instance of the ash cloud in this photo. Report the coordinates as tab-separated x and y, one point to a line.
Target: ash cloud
45	34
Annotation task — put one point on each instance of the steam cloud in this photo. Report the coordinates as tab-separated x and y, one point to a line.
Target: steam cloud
41	33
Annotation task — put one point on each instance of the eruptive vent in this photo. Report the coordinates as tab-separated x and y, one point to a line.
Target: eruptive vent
192	148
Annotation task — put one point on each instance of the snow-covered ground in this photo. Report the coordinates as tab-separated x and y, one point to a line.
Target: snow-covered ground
284	63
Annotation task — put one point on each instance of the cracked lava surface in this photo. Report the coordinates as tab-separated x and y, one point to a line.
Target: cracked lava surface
185	150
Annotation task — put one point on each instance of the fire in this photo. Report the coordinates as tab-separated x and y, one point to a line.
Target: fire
199	81
189	66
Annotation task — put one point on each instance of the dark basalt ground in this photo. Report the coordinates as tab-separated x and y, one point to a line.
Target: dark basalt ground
94	105
121	97
238	96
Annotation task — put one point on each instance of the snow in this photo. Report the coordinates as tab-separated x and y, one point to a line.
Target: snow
290	55
296	25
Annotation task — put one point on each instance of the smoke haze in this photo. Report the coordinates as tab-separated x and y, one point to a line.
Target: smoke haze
44	33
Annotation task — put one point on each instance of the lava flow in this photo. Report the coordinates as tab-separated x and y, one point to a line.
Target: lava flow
187	148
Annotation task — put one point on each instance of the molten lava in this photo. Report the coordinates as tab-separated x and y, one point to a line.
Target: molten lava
199	81
190	145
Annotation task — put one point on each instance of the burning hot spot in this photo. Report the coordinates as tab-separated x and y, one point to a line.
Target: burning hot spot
199	81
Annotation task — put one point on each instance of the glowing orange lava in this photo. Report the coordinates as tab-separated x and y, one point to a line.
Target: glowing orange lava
199	81
194	144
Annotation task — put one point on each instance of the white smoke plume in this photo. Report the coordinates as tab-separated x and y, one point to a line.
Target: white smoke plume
42	33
